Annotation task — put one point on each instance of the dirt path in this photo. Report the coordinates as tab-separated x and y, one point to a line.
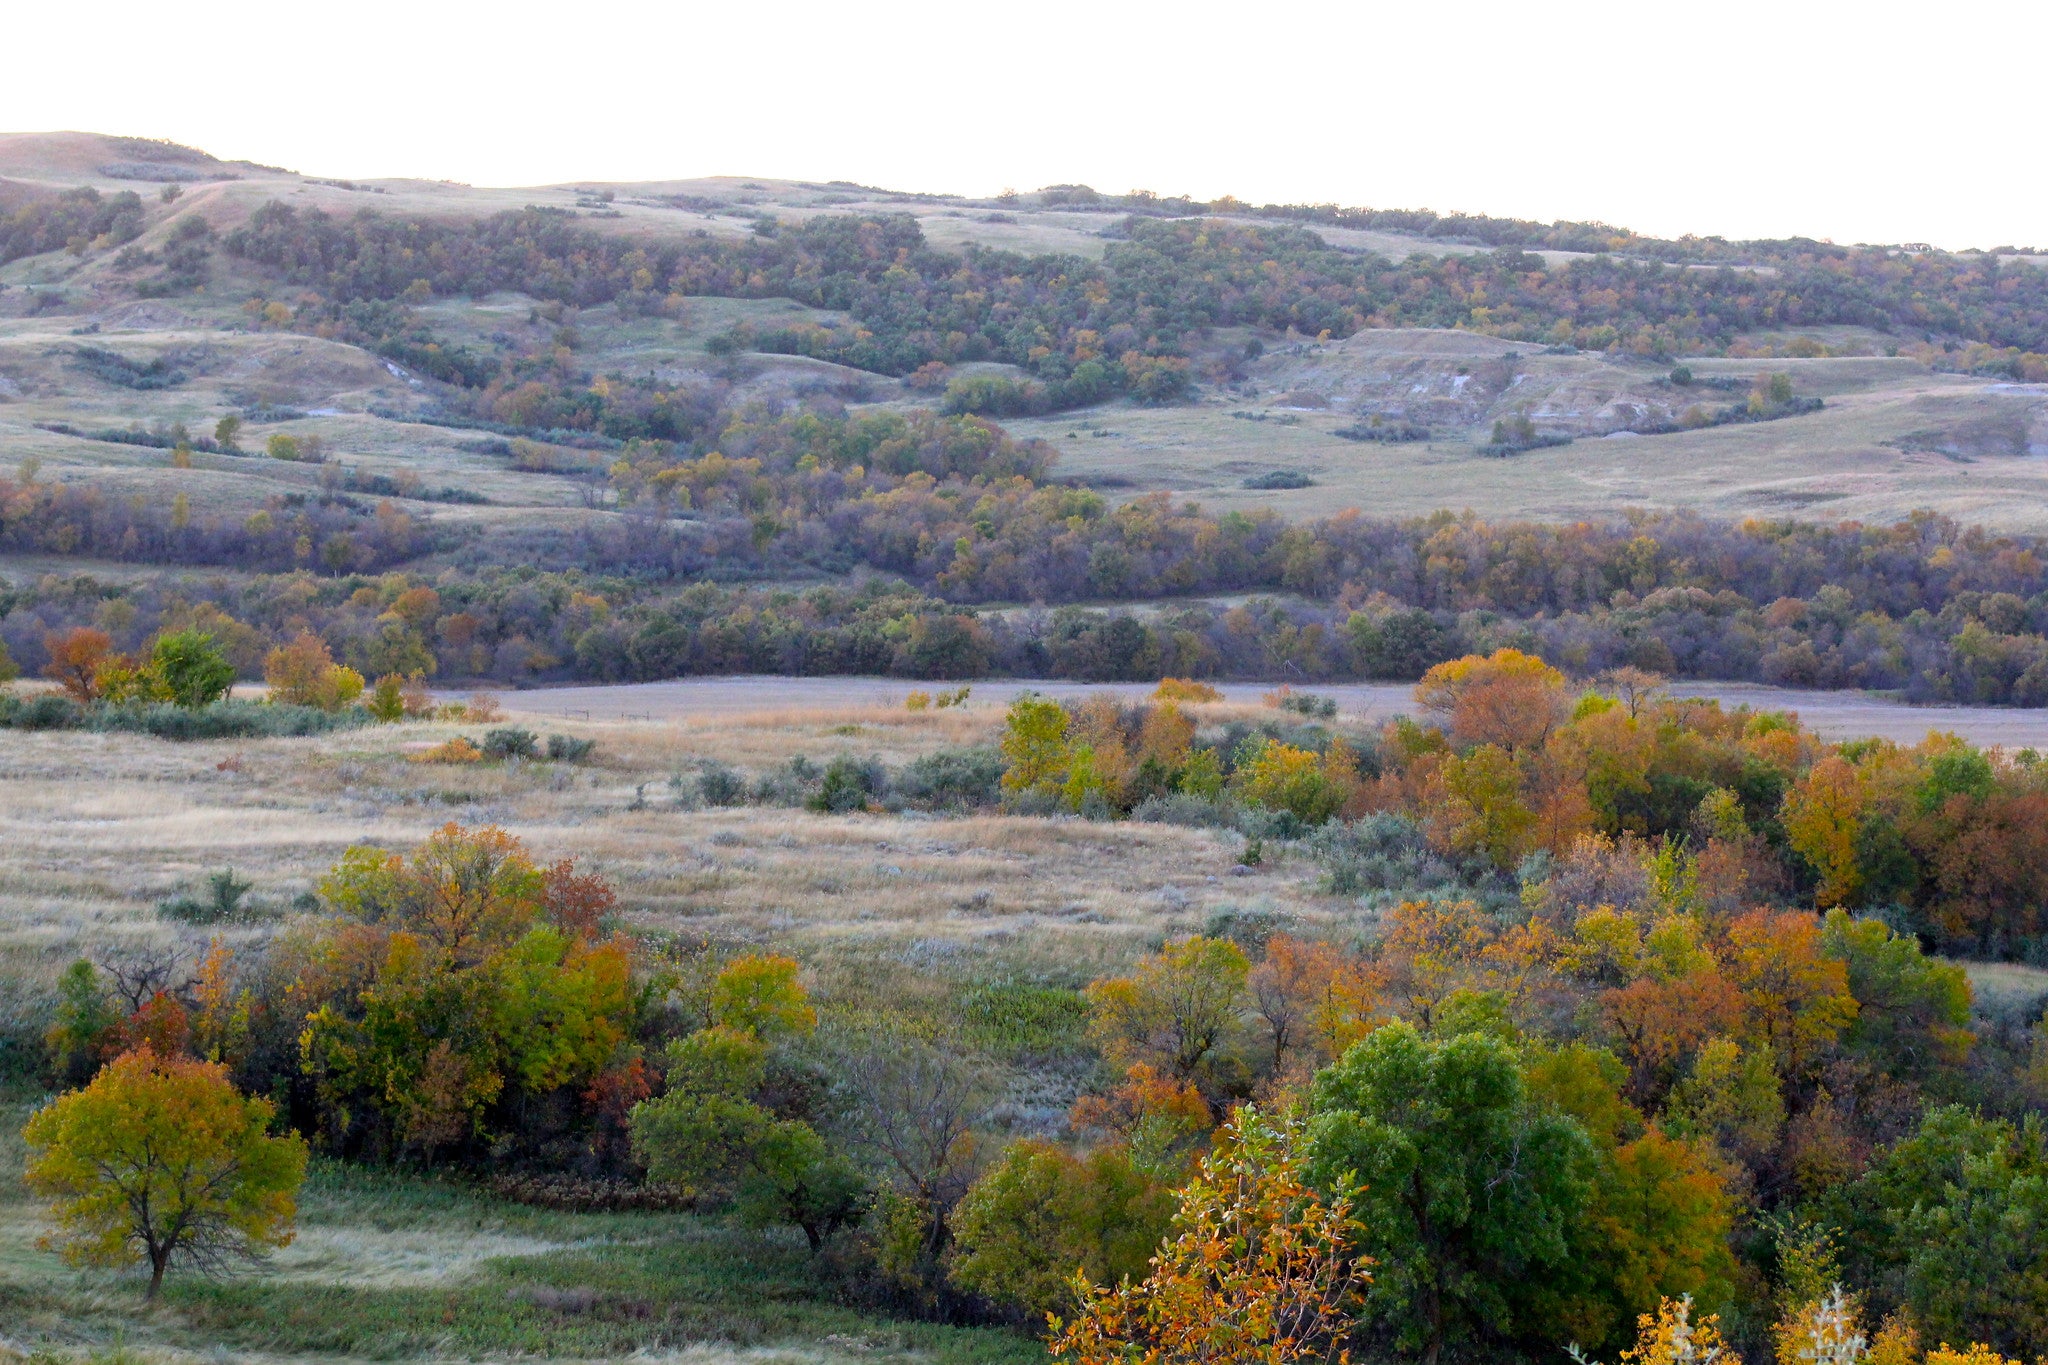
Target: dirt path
1838	715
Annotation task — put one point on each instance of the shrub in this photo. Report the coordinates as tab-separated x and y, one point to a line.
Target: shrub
954	777
222	720
850	784
511	742
1185	689
719	785
1306	704
45	711
993	396
223	903
1187	809
569	749
456	750
1280	478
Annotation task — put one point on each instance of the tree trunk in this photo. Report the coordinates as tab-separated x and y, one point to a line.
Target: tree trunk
156	1274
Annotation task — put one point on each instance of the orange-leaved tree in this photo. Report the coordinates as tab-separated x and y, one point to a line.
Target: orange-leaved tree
1507	698
160	1159
1259	1268
75	661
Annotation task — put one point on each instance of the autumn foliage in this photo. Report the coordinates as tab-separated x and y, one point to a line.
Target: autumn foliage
159	1160
1258	1268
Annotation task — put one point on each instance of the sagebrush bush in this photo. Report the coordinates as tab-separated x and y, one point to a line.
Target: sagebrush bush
225	719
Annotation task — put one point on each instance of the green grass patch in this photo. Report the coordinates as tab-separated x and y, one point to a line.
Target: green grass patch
394	1281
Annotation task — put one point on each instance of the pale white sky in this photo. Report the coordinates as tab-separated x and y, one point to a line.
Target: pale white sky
1860	122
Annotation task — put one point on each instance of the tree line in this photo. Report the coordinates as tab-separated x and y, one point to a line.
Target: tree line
936	518
1092	329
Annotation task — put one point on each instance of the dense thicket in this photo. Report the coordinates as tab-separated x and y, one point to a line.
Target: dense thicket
1923	607
80	218
326	532
1151	295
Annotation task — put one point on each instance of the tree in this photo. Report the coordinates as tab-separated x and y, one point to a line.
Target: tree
159	1159
1261	1269
1301	782
193	669
226	430
1794	999
303	673
1179	1008
1470	1192
1913	1011
1041	1214
1507	698
759	993
1482	810
1035	755
1313	997
468	892
86	1020
76	658
1952	1224
1657	1224
711	1135
912	1108
387	699
1823	815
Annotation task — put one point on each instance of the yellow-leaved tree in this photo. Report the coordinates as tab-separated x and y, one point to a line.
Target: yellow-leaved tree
161	1160
1259	1268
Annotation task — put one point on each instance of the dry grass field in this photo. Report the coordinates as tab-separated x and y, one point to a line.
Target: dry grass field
1893	437
94	830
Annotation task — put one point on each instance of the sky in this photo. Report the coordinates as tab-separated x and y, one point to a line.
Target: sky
1868	122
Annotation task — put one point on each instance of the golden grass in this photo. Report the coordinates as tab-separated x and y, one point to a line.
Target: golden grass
95	829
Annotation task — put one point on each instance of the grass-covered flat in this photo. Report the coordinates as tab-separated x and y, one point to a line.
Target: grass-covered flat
391	1266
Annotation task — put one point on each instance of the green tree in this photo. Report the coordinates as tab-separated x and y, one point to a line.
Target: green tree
85	1018
1471	1193
387	699
160	1160
226	430
1952	1224
710	1134
759	993
1912	1011
1042	1213
1656	1226
192	667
